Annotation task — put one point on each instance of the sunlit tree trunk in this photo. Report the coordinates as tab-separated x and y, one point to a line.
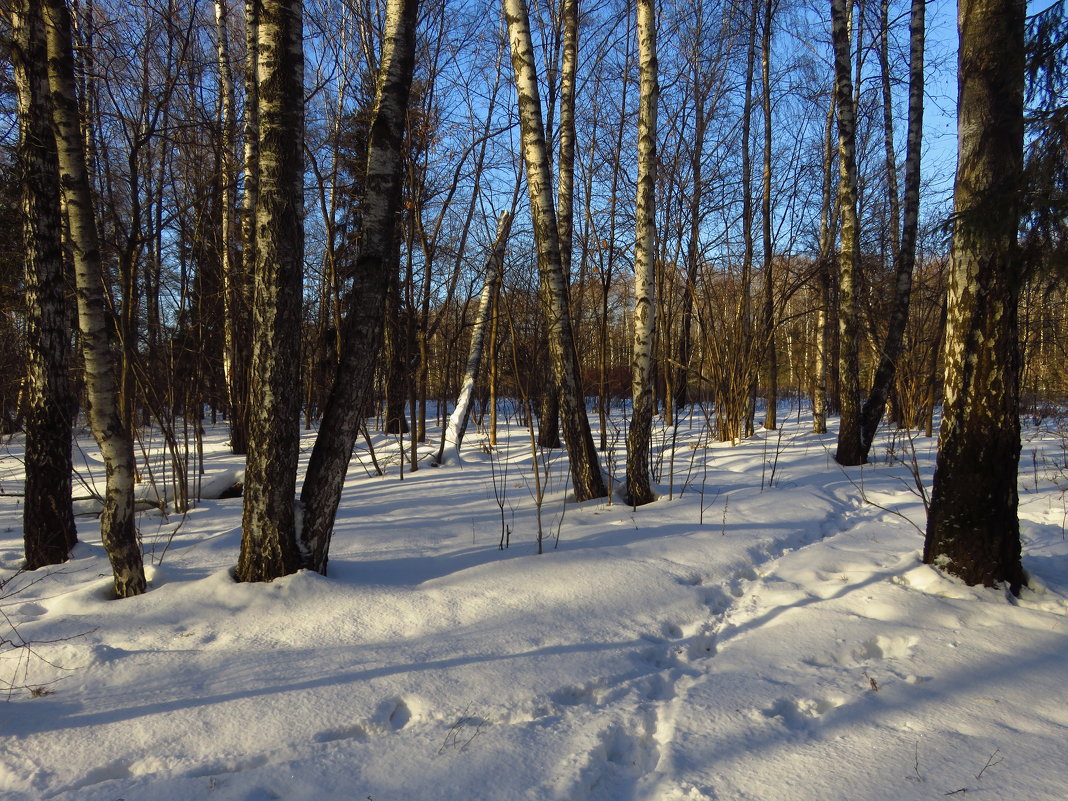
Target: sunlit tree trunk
48	526
585	468
269	539
454	434
849	451
973	529
118	528
824	318
377	260
640	431
905	256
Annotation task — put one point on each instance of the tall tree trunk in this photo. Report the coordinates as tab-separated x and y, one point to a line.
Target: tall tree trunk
454	434
849	451
48	526
771	359
905	256
585	469
118	529
241	306
824	318
973	528
363	324
269	542
235	310
640	432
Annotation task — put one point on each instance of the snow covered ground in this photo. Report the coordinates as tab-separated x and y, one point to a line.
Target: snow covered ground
765	630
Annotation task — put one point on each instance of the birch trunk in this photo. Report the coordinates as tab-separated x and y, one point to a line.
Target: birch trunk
824	323
973	529
269	541
454	434
905	255
235	307
118	529
639	434
377	260
585	469
849	451
49	532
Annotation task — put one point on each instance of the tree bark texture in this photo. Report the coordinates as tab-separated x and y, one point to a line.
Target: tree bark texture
377	260
973	527
269	542
849	451
640	432
905	255
118	530
235	279
49	532
585	468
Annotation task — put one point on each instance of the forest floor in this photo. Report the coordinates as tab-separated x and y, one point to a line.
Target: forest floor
764	630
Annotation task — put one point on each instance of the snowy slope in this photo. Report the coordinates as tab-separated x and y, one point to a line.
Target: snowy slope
765	630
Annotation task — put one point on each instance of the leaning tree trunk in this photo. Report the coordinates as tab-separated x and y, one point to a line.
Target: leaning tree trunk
849	451
641	421
973	528
363	324
118	529
585	468
454	433
48	526
268	526
905	258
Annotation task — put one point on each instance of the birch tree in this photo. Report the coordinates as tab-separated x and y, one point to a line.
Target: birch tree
454	433
585	468
905	247
638	436
48	518
377	260
268	525
849	451
118	529
973	528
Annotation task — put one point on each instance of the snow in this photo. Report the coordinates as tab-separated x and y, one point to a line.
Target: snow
764	630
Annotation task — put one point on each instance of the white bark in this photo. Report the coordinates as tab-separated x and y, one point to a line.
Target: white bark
454	433
585	467
638	435
117	525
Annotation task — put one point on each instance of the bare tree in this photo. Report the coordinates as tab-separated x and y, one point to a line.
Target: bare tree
849	451
638	436
377	260
905	253
118	528
585	468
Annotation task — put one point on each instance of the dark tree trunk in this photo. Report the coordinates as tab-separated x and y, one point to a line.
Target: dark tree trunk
48	519
377	260
268	542
905	258
849	451
973	529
